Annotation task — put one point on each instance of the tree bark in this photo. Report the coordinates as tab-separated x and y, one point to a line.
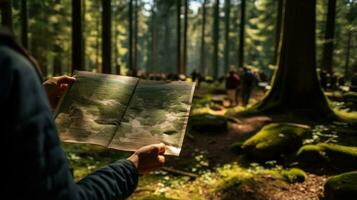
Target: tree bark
184	62
215	40
106	36
241	34
130	35
203	34
6	14
278	29
296	89
77	37
154	37
327	56
24	24
135	45
226	37
178	44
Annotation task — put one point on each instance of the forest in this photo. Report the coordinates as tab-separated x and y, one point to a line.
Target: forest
286	129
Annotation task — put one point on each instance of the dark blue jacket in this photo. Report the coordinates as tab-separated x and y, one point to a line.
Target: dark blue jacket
32	160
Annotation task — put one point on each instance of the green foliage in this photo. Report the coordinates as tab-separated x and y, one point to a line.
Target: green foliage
341	158
343	186
275	140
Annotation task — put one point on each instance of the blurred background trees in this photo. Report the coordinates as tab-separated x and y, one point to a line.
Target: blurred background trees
173	36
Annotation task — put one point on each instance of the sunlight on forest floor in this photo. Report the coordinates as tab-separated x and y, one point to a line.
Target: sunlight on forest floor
213	165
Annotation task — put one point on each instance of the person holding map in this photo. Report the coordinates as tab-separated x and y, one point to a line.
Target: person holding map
34	165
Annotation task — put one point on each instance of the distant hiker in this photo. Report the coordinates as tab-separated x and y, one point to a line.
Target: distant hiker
196	77
232	83
33	162
248	81
353	86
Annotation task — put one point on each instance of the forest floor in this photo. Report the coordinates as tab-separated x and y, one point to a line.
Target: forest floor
207	168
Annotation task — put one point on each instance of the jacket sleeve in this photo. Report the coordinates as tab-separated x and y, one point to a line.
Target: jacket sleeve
35	163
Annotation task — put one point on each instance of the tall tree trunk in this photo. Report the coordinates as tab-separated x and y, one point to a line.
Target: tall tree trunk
24	24
278	29
83	33
135	45
296	89
6	14
154	37
178	45
215	40
97	64
77	37
347	54
107	36
327	56
226	37
203	34
184	63
130	35
241	34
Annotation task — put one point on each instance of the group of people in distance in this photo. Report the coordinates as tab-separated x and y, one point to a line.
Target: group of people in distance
240	83
335	82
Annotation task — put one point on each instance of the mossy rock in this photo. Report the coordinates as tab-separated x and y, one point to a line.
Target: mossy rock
340	158
156	197
343	186
294	175
208	123
276	140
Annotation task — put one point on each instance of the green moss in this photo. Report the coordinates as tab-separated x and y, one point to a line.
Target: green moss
156	197
275	140
294	175
343	186
341	158
208	123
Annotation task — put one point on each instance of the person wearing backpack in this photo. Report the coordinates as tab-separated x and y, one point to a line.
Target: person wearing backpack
248	81
34	164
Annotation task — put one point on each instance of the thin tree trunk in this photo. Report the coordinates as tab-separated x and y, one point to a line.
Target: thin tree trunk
178	45
241	35
327	56
215	40
278	30
184	63
203	34
77	41
116	53
106	36
83	33
97	64
226	37
154	37
348	52
296	89
131	35
136	28
24	24
6	14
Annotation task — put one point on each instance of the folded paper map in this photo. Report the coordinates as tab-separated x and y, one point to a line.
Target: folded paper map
124	113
